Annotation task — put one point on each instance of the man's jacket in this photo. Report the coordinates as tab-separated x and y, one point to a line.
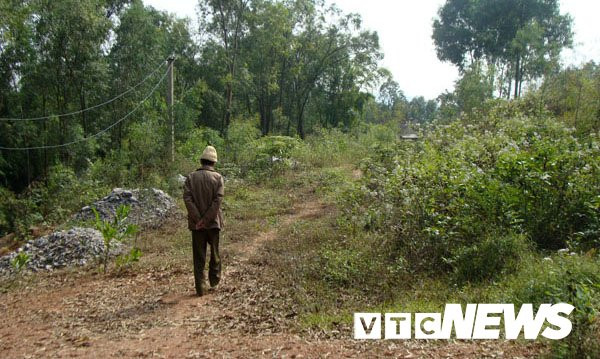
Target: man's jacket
203	194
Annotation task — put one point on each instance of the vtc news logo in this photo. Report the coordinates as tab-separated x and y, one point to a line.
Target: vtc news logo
479	321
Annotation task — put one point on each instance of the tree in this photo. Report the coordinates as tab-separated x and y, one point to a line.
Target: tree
573	95
52	62
522	36
421	110
227	23
473	88
270	29
319	61
327	56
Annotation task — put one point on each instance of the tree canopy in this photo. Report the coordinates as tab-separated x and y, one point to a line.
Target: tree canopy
522	37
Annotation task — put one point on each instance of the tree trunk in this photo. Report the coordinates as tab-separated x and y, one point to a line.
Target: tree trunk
578	102
45	127
83	114
300	126
517	76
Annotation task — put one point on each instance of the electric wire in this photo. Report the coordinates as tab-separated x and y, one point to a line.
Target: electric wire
96	134
91	107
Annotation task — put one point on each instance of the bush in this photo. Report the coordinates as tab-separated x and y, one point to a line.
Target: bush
16	214
116	231
112	170
342	267
446	197
567	278
329	147
197	140
47	203
493	257
240	138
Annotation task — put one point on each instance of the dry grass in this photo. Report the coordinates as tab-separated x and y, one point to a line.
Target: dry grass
273	236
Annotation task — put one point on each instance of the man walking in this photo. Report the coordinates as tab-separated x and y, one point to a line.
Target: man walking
203	193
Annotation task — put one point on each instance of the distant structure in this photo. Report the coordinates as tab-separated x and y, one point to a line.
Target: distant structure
410	136
407	132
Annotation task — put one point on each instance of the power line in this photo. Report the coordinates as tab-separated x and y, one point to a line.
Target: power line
96	134
92	107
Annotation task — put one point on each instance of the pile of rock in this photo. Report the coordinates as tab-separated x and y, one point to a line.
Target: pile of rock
77	246
149	207
73	247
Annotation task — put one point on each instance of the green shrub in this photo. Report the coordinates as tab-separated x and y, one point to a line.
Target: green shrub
126	260
19	261
493	257
270	155
240	141
197	140
342	267
16	214
567	278
328	147
444	195
112	170
115	231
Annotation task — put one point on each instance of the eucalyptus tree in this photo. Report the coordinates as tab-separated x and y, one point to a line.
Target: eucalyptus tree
225	22
54	59
523	37
573	95
324	52
267	51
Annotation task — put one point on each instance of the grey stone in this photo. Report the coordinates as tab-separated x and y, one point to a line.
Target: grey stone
149	207
76	246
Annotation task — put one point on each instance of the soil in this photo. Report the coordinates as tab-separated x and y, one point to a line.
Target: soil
153	311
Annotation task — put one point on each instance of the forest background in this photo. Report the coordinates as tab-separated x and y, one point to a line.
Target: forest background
499	193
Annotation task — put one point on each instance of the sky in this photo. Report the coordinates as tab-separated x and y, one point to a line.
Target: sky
405	27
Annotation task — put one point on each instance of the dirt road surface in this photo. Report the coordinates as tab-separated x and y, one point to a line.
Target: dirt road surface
152	311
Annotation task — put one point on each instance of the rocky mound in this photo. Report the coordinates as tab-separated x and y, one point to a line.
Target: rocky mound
74	247
77	246
149	207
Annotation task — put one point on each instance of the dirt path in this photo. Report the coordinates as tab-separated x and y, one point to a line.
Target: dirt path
153	312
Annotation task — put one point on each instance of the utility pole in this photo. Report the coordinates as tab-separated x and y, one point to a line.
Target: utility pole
171	59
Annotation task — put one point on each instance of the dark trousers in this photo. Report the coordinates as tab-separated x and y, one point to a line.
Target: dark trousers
199	241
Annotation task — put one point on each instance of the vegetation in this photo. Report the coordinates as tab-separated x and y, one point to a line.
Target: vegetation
520	38
498	200
115	231
19	262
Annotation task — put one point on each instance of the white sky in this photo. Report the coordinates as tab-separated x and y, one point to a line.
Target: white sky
405	27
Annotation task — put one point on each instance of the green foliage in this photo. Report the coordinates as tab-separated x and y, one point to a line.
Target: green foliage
524	37
197	140
563	278
146	146
16	214
55	200
115	230
19	261
47	203
467	190
240	138
271	154
125	260
342	267
490	259
573	95
474	88
332	147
